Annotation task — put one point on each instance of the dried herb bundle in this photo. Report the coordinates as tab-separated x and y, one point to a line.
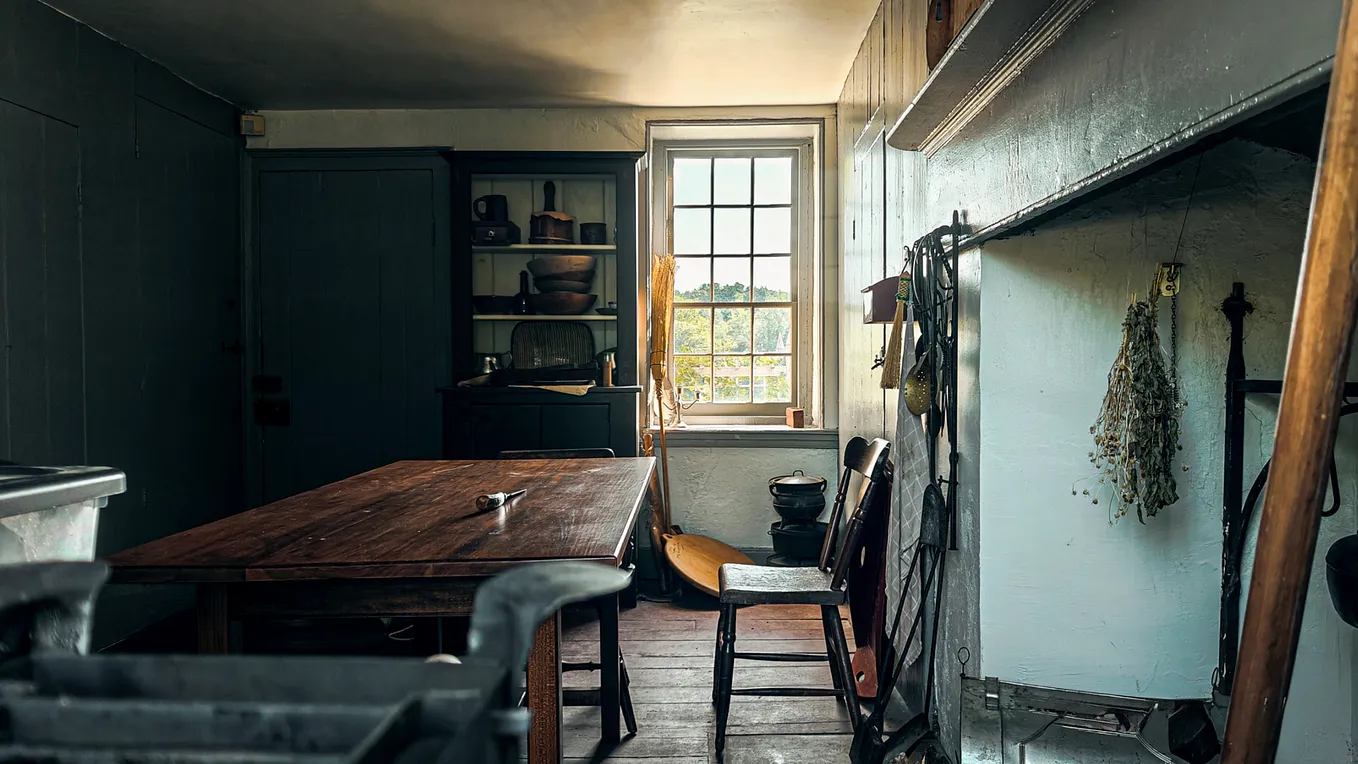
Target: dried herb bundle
1137	433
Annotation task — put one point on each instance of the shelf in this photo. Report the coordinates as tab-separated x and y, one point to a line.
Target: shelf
578	249
537	317
1002	37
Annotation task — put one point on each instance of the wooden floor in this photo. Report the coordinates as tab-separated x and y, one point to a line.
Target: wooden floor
669	653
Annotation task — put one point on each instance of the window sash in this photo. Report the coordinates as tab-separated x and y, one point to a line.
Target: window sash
796	257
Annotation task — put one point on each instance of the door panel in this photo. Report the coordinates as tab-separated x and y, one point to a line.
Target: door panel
347	292
506	427
576	425
41	380
190	282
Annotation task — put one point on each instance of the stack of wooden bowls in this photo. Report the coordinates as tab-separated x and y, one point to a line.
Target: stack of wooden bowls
563	283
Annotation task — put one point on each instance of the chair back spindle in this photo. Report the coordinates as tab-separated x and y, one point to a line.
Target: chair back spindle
867	459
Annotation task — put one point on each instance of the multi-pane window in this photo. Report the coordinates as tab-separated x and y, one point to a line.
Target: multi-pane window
733	222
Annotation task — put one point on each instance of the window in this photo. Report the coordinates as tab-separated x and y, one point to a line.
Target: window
733	238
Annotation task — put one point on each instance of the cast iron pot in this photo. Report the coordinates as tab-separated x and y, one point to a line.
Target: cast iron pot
1341	574
798	497
799	540
796	485
800	508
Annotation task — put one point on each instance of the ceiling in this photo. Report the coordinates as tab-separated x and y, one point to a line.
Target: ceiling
348	54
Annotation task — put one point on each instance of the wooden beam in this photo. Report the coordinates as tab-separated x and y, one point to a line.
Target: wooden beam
1317	361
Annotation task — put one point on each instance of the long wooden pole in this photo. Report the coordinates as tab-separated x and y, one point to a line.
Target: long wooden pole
1317	362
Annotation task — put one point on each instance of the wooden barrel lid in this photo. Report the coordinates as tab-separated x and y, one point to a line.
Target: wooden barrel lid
698	559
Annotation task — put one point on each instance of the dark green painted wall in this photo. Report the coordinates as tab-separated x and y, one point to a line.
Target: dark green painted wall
120	279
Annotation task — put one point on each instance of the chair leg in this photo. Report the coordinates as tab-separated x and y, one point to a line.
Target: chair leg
610	662
840	662
728	664
629	716
830	654
716	652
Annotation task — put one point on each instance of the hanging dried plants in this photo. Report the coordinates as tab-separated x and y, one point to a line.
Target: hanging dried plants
1136	436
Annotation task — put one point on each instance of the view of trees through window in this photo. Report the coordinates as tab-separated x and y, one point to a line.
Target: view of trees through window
732	223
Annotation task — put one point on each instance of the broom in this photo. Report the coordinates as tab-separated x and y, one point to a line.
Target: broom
662	318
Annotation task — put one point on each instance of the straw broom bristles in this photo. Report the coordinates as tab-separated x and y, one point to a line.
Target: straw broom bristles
662	316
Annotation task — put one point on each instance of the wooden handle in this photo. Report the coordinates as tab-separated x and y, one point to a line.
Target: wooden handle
1317	361
549	196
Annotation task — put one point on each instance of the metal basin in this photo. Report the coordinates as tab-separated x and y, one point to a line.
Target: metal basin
14	471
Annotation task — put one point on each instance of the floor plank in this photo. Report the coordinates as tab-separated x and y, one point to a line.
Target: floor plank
746	675
669	651
786	749
689	629
702	648
646	744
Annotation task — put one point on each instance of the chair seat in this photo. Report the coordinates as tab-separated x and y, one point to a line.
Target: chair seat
763	585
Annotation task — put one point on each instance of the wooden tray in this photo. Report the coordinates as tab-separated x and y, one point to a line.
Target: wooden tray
698	559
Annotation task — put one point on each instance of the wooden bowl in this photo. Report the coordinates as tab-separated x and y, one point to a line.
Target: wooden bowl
567	267
563	303
561	285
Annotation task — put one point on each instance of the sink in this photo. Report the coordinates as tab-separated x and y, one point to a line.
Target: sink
11	471
32	488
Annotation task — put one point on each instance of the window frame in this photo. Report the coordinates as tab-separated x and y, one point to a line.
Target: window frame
803	297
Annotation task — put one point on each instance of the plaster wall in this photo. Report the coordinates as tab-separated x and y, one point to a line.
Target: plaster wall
583	129
1068	598
723	492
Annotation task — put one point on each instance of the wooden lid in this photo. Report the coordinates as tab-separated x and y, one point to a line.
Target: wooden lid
698	559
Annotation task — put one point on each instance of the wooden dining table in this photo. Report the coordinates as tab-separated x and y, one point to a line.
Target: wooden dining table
407	540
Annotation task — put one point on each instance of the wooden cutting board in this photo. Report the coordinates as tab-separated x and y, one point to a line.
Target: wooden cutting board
698	559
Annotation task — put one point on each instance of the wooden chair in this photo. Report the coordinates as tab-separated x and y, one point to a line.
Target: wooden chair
823	585
607	611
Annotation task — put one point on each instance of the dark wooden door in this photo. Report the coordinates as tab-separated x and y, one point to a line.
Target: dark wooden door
353	315
41	386
187	298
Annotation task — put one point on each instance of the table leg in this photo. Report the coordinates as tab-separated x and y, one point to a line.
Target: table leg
609	688
214	623
544	694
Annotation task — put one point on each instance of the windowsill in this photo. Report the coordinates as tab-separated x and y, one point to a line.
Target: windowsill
749	436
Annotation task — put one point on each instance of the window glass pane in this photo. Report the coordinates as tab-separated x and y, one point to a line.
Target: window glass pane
692	279
731	330
731	379
692	330
773	330
732	236
694	375
773	180
772	379
692	231
692	181
773	230
731	181
772	279
730	279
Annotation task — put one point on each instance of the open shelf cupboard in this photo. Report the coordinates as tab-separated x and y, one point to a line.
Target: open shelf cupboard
592	187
